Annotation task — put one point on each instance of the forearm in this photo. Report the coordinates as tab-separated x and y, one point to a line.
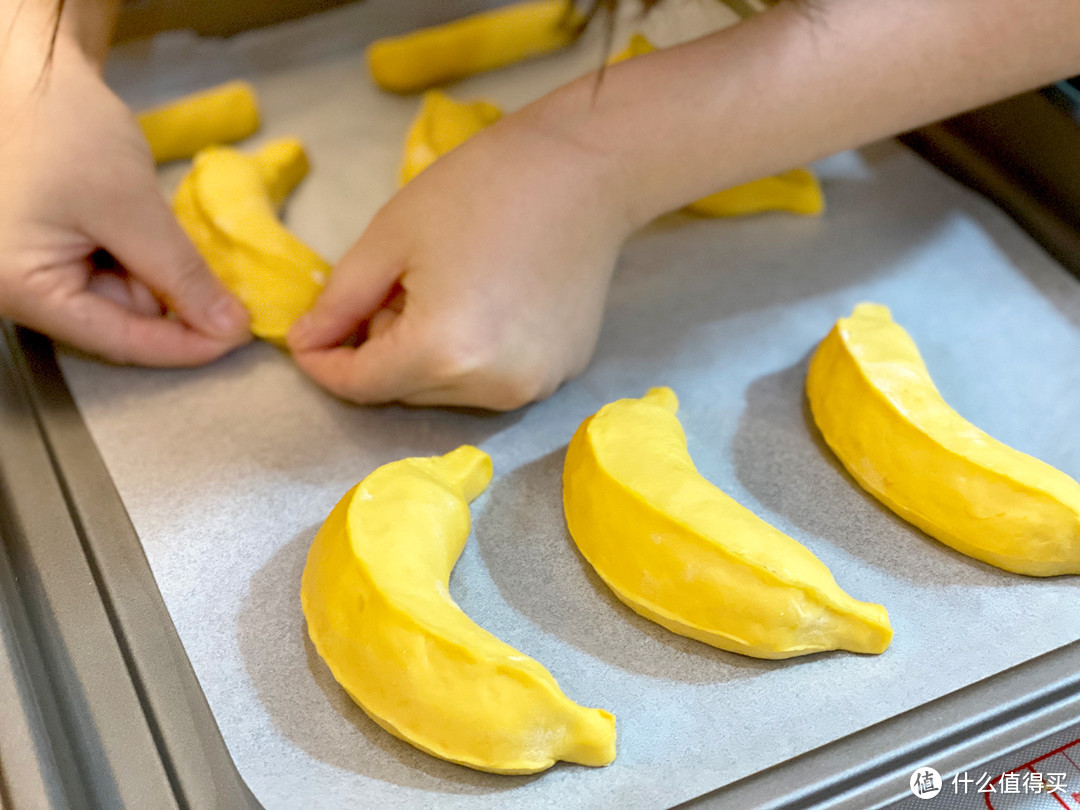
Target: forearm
802	81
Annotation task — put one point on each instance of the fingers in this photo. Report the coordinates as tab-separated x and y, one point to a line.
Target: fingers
418	362
361	284
410	354
392	362
142	233
127	291
385	368
99	325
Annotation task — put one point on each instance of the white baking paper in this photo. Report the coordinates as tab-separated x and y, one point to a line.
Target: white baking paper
228	470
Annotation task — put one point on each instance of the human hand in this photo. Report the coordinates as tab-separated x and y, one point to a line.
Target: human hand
481	283
90	252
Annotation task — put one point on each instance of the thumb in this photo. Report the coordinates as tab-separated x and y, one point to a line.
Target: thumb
362	283
142	233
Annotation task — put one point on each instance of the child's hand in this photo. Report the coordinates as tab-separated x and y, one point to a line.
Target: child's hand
90	252
481	283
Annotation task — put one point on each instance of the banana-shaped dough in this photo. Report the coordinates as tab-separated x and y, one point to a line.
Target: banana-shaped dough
441	125
179	129
228	205
797	190
877	407
682	553
473	44
374	592
637	46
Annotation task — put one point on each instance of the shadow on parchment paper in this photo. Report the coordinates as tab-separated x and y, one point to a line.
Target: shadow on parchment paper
522	537
294	433
782	459
253	410
727	268
312	711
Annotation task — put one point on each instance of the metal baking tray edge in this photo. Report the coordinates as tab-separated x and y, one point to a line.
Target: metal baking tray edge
1022	154
958	731
866	769
159	745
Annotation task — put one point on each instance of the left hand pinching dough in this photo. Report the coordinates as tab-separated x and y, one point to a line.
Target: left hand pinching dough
91	254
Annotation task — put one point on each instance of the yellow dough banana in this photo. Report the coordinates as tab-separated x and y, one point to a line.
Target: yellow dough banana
179	129
679	551
375	594
796	191
638	45
442	124
228	205
878	409
473	44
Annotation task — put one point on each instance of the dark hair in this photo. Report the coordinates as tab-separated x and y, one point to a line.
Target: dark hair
581	20
56	29
608	8
46	64
743	8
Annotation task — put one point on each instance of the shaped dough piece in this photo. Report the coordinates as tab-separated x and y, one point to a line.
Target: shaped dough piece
485	41
375	595
228	205
638	45
796	191
179	129
880	412
682	553
440	125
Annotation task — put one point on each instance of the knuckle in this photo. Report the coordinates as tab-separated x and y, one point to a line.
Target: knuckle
455	359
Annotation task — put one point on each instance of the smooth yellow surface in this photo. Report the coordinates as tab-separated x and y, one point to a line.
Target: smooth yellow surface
181	128
796	191
375	594
637	46
442	124
679	551
877	407
484	41
228	205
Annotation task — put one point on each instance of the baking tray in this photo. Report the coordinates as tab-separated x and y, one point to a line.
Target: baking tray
127	408
867	769
101	707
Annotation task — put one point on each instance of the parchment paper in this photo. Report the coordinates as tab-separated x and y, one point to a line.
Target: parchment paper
227	471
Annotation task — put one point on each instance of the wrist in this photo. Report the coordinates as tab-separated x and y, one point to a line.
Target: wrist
564	118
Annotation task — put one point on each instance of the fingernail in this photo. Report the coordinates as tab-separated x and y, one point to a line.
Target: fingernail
228	316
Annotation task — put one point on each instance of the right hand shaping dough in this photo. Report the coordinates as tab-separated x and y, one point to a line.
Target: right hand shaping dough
90	252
